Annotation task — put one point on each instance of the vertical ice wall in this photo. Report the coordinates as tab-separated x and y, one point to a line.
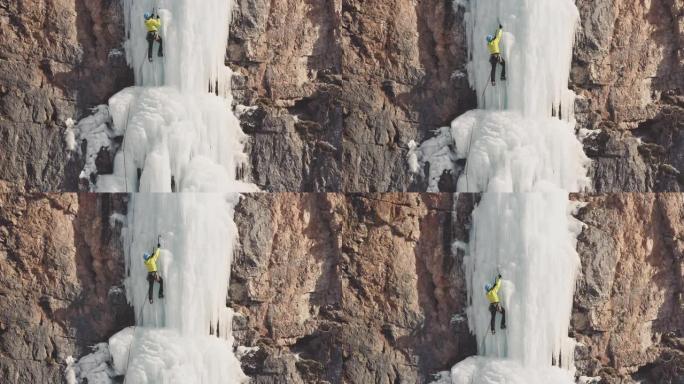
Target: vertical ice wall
530	239
535	251
521	139
179	131
179	134
537	47
195	35
185	337
522	136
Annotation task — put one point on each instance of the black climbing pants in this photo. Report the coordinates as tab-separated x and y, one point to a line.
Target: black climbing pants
495	59
151	38
151	278
493	309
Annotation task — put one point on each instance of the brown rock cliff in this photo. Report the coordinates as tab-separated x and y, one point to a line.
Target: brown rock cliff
628	69
335	287
629	304
342	86
350	288
57	59
59	258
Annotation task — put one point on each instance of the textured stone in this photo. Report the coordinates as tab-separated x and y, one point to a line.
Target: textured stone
335	287
353	288
53	54
343	86
629	309
628	69
59	257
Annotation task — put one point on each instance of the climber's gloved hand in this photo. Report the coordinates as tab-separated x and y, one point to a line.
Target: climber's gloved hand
499	275
500	26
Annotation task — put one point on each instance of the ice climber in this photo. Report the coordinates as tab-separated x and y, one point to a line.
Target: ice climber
492	292
495	54
153	23
152	273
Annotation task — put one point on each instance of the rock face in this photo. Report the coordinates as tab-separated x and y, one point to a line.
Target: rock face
343	287
629	304
350	288
360	288
342	86
53	54
59	257
628	69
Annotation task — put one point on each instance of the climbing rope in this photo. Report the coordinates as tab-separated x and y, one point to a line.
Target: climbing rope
470	142
130	346
484	101
470	139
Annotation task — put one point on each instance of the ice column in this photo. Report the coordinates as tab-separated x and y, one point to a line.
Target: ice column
179	130
522	136
186	336
530	239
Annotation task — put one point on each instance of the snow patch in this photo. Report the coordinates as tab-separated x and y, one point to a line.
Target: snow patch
413	157
96	131
93	367
458	75
462	3
242	109
506	152
484	370
69	135
116	218
242	351
115	290
459	245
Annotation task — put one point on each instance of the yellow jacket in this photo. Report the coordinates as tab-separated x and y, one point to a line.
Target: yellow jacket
494	44
153	24
151	263
493	294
